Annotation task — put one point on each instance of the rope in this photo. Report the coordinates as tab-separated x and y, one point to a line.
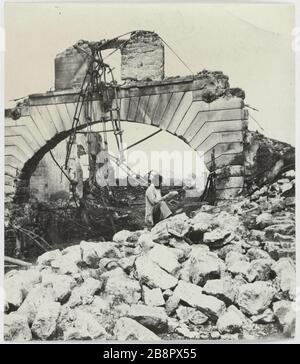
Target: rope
256	122
180	59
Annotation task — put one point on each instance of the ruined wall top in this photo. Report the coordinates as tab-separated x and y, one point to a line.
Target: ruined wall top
142	59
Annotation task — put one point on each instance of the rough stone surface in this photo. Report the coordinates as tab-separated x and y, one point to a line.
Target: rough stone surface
286	273
153	297
154	318
85	328
224	289
192	295
165	257
18	285
124	288
260	270
127	329
255	298
45	323
231	321
266	317
201	267
257	253
122	236
62	285
48	257
168	280
16	328
152	275
285	313
202	222
143	57
35	298
191	315
215	236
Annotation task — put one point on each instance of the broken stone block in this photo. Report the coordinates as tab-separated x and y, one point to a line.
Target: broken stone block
291	174
91	253
16	328
231	321
153	297
285	229
236	247
48	257
255	298
189	314
122	236
62	285
290	201
14	292
90	287
160	233
257	253
45	323
85	327
215	237
178	225
224	289
100	304
201	267
154	318
35	298
210	85
237	263
257	235
127	264
286	273
165	257
263	220
192	295
152	275
85	292
285	313
65	265
184	331
181	245
260	270
119	286
266	317
146	242
171	304
202	222
215	335
227	221
127	329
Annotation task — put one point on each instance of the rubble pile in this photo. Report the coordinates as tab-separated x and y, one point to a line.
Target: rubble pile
226	272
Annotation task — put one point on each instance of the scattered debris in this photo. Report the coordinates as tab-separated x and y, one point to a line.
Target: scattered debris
152	285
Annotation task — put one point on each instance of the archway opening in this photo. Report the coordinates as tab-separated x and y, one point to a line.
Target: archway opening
61	223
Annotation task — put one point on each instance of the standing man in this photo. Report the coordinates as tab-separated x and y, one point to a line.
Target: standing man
156	207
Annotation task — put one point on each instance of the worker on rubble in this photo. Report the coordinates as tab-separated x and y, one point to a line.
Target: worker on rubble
156	206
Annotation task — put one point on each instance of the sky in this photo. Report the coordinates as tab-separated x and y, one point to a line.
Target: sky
251	43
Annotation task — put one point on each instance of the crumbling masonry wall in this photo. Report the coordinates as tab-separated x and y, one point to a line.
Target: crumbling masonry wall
142	58
202	110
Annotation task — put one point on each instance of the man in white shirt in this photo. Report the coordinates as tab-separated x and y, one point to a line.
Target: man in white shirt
156	207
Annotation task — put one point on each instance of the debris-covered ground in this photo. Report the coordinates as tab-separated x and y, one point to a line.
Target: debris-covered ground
225	272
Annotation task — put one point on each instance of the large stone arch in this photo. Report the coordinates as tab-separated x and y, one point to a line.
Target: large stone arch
175	105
